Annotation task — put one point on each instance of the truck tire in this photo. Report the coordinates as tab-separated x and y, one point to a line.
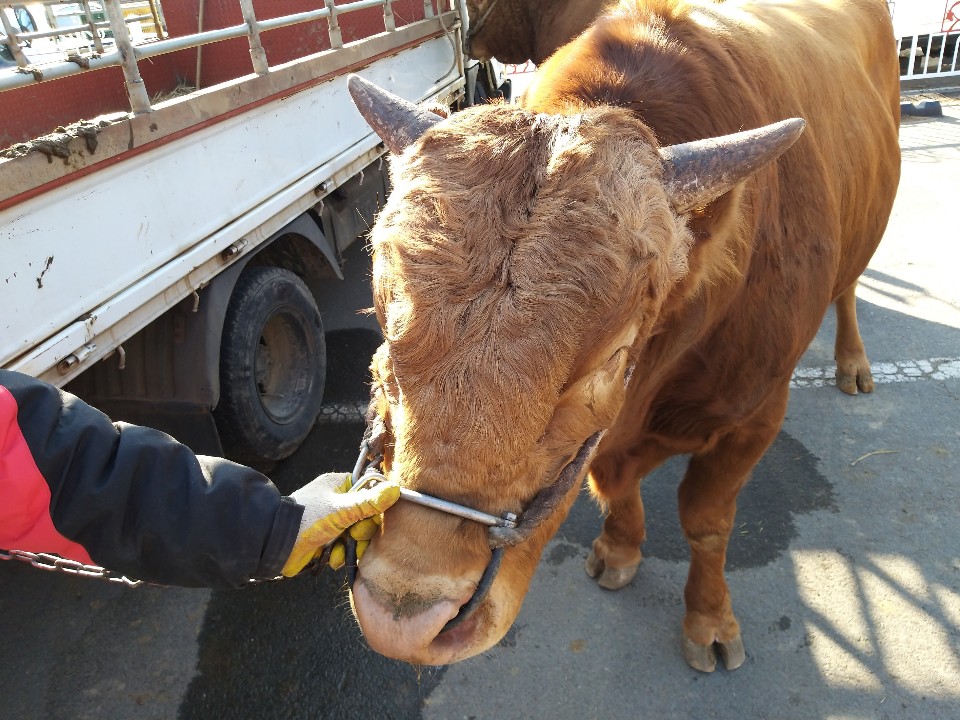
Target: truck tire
272	366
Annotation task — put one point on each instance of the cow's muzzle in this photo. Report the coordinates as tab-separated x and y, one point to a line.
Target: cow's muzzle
504	531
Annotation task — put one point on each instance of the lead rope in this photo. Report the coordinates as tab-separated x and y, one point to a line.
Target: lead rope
474	29
506	531
544	504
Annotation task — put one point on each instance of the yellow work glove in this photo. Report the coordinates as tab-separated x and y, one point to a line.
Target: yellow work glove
363	533
329	510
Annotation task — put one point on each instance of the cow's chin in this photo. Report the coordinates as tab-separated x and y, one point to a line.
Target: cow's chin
416	635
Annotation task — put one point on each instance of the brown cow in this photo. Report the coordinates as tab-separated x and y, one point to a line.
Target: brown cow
531	261
514	31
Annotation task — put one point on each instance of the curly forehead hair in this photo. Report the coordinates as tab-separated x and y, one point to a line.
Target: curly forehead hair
512	237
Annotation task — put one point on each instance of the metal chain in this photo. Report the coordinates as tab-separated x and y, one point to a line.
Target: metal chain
46	561
55	563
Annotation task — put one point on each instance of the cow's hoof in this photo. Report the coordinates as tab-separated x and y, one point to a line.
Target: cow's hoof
594	565
610	578
851	384
704	657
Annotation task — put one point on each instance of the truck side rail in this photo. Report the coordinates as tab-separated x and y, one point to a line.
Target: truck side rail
127	55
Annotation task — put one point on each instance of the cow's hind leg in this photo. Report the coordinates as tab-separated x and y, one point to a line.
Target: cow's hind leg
615	480
707	503
853	368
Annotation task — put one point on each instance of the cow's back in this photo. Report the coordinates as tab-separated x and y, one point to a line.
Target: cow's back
834	64
724	67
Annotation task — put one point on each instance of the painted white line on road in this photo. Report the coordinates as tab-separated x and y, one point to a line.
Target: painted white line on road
343	412
803	377
884	372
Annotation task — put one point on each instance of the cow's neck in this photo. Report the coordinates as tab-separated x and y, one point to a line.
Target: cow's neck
698	302
673	87
556	29
669	81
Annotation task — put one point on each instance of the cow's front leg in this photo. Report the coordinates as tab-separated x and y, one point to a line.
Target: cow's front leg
707	503
615	481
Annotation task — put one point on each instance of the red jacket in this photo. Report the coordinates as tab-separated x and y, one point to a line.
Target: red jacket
130	498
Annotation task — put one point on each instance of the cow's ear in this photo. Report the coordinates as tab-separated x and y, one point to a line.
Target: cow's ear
589	404
398	122
697	173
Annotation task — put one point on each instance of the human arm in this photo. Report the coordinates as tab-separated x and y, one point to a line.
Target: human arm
132	499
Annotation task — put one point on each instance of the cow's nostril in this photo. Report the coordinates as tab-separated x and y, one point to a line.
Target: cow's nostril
406	635
458	635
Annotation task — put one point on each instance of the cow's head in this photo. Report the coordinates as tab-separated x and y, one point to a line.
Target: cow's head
520	263
505	30
515	31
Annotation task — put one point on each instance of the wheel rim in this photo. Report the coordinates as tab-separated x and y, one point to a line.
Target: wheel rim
282	366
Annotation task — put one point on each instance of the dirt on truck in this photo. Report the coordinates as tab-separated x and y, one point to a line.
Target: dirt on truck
179	183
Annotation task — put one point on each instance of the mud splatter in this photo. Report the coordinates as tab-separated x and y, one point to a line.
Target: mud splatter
57	143
45	268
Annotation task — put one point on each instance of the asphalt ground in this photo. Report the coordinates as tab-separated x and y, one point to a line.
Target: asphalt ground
844	565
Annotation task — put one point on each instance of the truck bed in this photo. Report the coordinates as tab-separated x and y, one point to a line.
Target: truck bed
137	213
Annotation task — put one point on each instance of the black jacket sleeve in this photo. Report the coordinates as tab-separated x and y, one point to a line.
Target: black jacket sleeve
144	505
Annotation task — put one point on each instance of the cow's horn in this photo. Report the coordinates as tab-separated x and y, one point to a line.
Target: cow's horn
398	122
696	173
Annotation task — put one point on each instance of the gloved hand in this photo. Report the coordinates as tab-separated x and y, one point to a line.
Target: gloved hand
329	510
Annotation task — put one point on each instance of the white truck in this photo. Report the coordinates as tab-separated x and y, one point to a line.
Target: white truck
166	261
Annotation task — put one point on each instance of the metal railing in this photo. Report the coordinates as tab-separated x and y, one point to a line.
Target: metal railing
88	24
126	54
930	55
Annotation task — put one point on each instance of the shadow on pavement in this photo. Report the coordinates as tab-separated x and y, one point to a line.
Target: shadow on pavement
293	650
